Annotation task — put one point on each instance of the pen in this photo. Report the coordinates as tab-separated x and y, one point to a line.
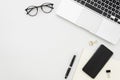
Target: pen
70	66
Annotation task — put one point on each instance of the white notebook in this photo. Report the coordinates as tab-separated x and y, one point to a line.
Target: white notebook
113	65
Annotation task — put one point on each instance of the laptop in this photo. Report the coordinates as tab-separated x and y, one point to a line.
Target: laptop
100	17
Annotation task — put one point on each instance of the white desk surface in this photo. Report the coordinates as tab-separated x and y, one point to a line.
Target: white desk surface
40	47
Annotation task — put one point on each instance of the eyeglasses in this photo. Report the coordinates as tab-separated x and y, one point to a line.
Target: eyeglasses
45	7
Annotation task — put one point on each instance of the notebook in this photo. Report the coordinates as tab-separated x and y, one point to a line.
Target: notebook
112	64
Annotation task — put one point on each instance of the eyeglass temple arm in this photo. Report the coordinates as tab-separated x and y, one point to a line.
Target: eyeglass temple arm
48	5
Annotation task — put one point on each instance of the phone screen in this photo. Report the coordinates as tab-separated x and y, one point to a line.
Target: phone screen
97	61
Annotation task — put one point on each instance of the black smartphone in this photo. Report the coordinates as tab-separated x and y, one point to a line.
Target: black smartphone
97	61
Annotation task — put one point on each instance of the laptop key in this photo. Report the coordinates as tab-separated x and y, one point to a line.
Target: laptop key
115	19
82	2
102	8
91	2
109	12
102	4
104	13
117	7
93	8
99	6
106	5
95	4
114	1
116	11
106	10
99	2
110	3
107	2
114	5
110	7
113	14
118	16
117	3
108	16
88	1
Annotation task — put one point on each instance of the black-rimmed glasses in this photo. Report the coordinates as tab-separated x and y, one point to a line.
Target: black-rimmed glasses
45	7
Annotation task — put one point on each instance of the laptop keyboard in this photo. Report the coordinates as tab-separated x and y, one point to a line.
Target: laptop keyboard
107	8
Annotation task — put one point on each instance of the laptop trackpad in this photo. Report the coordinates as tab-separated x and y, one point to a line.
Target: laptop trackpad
109	31
89	20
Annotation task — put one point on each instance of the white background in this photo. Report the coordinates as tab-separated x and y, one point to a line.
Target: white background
40	47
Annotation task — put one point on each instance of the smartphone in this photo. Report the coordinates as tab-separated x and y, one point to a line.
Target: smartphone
97	61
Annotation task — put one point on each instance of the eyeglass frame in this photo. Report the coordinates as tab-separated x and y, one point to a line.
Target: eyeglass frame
47	4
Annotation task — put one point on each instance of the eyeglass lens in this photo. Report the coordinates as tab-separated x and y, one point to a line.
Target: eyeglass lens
32	10
47	8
